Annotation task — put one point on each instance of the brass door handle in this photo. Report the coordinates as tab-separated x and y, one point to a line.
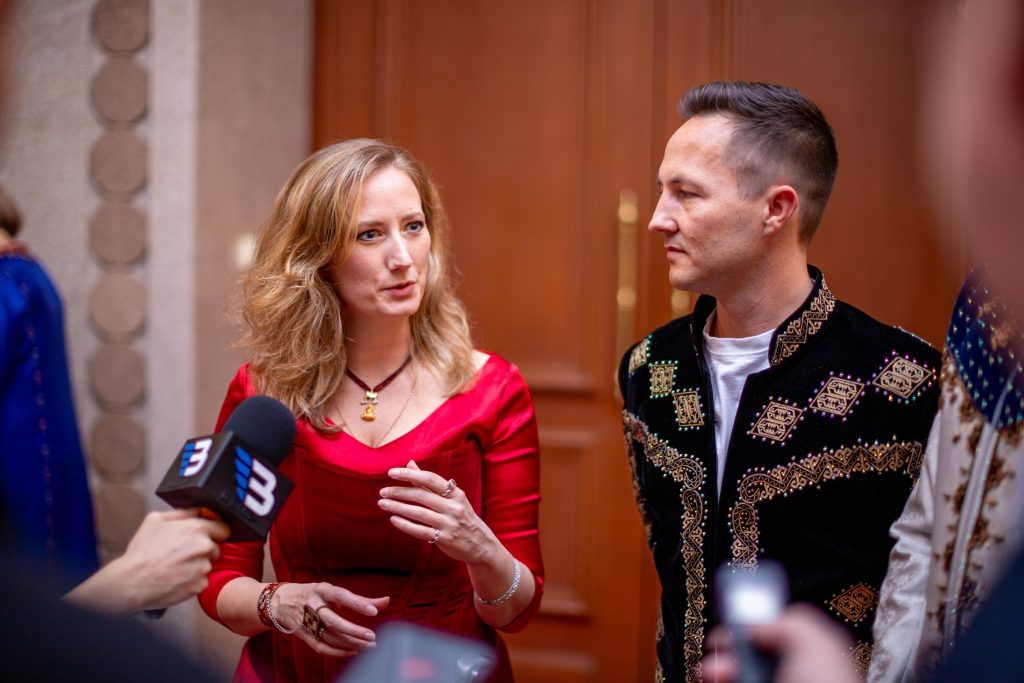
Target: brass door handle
625	297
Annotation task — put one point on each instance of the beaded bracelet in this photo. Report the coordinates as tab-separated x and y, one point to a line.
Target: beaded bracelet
507	595
263	610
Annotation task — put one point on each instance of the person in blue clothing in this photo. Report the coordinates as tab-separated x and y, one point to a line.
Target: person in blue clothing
44	493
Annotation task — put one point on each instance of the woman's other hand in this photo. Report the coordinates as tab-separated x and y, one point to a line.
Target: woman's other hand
436	510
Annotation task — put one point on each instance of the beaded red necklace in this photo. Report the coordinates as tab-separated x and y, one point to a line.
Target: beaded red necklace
371	394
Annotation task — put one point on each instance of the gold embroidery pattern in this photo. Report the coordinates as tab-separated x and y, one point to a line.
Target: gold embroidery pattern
808	324
691	477
838	395
860	657
855	603
902	376
659	673
663	377
776	421
689	413
759	485
639	355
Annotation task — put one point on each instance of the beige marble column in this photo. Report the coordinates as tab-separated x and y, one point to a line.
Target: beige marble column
145	141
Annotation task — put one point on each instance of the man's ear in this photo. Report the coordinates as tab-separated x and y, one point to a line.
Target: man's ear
781	204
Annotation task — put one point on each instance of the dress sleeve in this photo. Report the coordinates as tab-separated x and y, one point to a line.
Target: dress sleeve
240	558
511	485
901	607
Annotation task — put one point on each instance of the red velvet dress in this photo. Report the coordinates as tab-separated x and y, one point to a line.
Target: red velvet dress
331	529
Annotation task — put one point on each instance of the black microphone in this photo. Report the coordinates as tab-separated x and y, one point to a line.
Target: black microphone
234	473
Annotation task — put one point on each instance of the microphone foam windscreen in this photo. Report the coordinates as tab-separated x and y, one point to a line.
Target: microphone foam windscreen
264	423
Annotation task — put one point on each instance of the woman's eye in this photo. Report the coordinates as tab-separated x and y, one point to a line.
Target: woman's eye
416	226
367	235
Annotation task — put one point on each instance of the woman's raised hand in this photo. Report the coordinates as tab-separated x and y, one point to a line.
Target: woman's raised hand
436	510
311	609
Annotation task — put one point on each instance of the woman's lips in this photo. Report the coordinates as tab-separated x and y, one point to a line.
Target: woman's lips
402	290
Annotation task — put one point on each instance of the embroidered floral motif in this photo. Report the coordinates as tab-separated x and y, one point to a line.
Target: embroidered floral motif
902	377
663	377
639	355
759	485
860	657
798	331
691	477
838	395
855	603
776	421
689	413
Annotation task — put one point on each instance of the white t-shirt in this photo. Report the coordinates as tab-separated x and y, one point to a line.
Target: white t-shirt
730	362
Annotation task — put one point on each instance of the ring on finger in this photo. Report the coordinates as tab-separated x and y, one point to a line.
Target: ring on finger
312	622
449	487
437	537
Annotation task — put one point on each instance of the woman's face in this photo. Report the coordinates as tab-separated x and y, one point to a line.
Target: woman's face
385	271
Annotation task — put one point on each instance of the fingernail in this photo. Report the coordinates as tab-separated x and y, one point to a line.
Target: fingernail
371	610
384	493
369	636
393	472
383	504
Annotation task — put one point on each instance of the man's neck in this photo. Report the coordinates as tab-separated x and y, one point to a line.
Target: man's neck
762	303
375	349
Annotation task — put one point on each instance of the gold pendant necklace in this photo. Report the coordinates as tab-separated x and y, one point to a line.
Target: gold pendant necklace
394	422
368	403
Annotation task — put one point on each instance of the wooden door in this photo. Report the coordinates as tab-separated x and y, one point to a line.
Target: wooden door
533	116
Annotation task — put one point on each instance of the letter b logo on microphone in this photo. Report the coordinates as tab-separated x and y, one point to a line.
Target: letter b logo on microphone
255	483
193	456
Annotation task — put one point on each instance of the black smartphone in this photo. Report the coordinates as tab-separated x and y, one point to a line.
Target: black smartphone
747	598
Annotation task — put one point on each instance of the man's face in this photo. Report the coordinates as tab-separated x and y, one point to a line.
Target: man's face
975	149
713	235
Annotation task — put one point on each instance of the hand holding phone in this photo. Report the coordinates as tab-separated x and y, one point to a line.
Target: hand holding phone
749	598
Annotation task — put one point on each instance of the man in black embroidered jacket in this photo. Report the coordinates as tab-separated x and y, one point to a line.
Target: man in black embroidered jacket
775	421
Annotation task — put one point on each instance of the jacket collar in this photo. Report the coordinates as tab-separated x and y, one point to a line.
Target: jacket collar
805	322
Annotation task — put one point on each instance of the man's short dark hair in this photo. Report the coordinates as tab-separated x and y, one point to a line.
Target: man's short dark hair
778	135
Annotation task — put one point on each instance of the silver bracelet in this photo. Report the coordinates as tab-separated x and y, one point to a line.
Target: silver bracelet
507	595
275	622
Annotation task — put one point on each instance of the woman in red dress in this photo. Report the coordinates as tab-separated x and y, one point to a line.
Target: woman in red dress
416	462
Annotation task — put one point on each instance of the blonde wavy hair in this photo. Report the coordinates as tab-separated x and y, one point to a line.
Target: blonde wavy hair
295	327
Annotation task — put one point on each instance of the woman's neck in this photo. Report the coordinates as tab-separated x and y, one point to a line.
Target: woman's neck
375	349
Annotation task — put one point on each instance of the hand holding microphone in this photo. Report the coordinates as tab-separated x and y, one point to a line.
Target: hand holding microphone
166	562
230	477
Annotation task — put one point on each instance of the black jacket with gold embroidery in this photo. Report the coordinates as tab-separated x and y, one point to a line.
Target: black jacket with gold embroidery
826	445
